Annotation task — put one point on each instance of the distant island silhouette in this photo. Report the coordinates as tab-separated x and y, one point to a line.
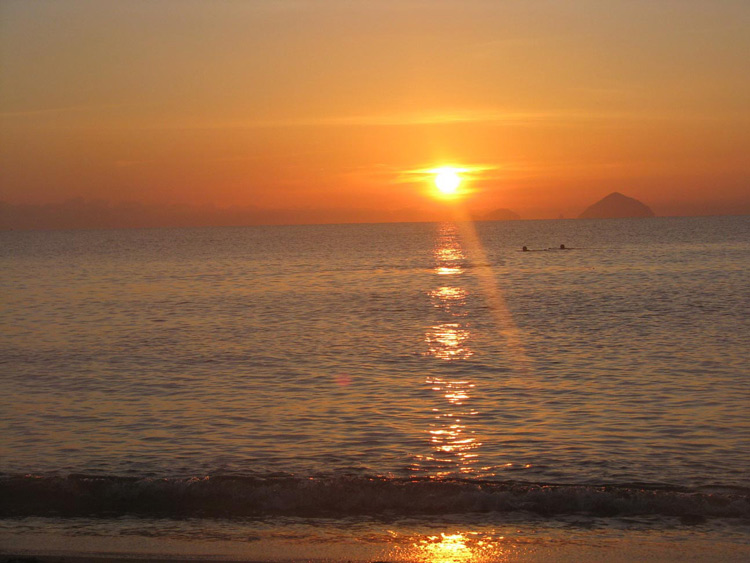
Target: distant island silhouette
498	215
616	205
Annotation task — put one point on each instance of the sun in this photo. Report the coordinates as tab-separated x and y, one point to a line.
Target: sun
447	180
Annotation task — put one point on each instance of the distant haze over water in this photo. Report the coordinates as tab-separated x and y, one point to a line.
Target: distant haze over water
80	213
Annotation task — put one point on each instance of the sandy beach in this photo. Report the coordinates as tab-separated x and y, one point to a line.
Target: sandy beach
394	545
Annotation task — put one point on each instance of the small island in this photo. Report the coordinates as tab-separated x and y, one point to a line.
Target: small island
616	205
498	215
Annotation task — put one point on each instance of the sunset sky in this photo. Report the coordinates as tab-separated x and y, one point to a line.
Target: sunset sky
334	110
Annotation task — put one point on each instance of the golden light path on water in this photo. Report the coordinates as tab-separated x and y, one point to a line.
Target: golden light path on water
450	256
455	445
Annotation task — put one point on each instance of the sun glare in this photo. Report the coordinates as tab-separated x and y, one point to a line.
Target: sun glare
447	180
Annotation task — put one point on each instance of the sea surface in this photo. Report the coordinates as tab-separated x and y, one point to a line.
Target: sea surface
278	380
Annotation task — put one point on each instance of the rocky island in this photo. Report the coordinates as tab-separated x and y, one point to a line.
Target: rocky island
616	205
498	215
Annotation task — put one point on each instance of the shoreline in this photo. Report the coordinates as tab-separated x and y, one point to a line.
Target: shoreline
342	542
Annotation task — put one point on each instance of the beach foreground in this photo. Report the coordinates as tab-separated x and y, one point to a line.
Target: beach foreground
587	541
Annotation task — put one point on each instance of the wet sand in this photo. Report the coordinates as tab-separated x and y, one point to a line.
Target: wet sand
680	546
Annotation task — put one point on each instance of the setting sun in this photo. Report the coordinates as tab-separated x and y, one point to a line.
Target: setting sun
447	180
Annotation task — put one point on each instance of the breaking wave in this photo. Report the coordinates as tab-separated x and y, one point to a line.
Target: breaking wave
340	496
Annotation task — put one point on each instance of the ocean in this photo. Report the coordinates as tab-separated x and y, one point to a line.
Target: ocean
401	392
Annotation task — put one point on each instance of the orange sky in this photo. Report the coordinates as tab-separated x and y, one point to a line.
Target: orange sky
325	107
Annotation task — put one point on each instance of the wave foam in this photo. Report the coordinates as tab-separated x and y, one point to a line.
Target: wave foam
234	496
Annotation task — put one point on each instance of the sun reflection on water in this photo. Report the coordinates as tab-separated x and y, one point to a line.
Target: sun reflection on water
454	444
458	547
449	270
447	294
447	341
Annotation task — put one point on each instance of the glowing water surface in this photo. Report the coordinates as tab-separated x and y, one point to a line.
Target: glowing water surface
421	393
386	350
